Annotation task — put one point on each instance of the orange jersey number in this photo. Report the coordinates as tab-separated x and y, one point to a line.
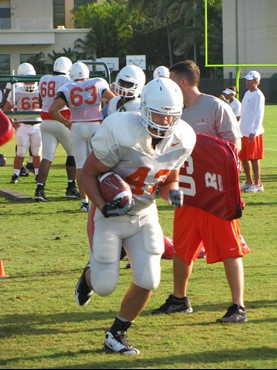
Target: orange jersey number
48	89
77	99
30	103
137	180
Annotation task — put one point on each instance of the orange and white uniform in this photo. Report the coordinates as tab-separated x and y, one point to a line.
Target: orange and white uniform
84	99
123	144
53	131
28	134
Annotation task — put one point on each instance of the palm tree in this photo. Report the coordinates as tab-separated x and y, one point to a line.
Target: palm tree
160	11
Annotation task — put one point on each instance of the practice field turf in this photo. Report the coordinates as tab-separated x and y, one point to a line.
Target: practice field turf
44	249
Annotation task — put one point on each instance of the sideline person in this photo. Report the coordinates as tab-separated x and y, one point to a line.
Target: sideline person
207	115
251	126
230	94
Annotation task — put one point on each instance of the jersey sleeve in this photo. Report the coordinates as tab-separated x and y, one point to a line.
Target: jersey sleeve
105	144
226	123
259	113
102	85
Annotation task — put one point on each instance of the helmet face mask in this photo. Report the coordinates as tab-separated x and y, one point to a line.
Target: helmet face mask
129	81
158	130
30	86
161	97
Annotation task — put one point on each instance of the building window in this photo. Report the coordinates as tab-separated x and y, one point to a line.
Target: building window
83	2
25	58
5	16
5	63
58	13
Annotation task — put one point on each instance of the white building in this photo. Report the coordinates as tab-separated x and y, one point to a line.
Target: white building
250	34
29	27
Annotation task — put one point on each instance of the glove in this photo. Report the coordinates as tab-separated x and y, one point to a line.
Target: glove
113	210
176	198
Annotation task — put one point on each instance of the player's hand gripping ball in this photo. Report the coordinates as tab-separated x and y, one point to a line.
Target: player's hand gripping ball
117	193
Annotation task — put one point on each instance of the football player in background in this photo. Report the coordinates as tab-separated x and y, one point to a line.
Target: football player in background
53	132
28	129
24	172
193	226
161	72
146	149
129	83
84	98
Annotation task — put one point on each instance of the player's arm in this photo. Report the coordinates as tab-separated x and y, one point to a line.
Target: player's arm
5	96
170	191
89	178
107	95
236	143
8	108
58	104
40	101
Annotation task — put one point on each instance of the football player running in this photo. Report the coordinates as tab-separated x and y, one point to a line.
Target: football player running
129	83
53	132
84	98
146	149
28	129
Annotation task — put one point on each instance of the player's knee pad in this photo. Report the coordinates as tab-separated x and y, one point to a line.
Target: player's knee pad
21	151
148	275
70	161
36	151
104	282
148	282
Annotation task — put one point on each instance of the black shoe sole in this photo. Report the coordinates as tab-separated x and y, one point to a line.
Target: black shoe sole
40	199
184	312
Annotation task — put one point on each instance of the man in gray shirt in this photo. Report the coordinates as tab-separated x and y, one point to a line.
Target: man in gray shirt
208	115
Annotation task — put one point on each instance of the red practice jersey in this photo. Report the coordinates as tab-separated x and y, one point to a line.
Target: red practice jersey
210	178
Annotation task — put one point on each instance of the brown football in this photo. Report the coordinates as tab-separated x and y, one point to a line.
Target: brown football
113	187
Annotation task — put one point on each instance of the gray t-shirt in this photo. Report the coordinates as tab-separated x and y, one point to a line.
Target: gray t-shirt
214	117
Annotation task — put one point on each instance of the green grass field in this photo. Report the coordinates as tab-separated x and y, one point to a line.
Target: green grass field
44	249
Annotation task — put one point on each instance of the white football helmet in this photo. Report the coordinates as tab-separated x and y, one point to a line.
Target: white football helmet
62	65
26	69
161	71
79	71
162	96
132	75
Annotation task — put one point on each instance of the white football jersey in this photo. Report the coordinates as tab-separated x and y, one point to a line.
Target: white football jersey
122	143
25	101
84	99
130	105
48	87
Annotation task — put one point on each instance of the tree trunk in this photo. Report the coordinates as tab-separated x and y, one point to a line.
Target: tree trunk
169	44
